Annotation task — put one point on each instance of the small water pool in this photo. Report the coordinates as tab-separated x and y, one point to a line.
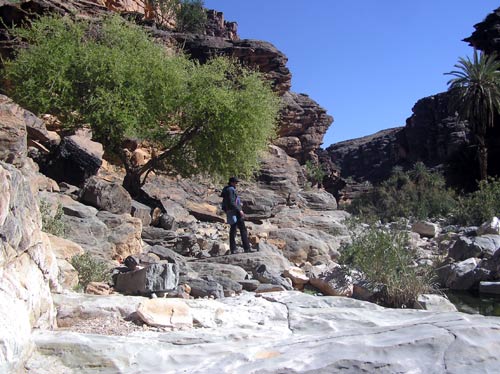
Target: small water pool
487	305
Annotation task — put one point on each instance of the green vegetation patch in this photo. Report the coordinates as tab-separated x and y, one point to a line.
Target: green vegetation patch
90	269
52	222
418	193
481	205
387	263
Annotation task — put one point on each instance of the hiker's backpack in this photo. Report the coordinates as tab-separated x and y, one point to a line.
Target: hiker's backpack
224	194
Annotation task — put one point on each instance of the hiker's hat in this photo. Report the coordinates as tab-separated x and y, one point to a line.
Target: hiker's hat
233	180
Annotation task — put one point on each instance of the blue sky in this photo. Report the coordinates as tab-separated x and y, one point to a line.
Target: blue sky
366	62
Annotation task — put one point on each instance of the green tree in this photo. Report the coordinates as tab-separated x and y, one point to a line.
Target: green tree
476	97
191	16
214	118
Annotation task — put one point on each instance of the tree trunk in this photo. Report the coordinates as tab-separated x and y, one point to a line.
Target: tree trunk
132	181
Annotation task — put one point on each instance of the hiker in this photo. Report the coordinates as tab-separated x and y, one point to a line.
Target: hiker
231	204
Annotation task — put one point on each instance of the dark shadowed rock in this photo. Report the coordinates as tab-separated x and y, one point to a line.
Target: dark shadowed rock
76	159
263	275
106	196
167	254
203	287
158	236
141	211
481	247
464	275
250	284
257	54
154	278
486	36
432	135
167	222
370	157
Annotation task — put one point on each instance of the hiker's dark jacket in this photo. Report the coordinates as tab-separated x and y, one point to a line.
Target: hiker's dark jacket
230	199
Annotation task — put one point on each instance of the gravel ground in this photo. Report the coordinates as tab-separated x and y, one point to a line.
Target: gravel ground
111	325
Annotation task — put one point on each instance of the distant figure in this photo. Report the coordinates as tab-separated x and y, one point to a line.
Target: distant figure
231	204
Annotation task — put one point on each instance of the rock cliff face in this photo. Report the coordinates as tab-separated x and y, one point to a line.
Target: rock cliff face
369	158
486	37
27	266
302	126
431	135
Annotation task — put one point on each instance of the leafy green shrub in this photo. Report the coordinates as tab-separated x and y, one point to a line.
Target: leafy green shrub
418	193
111	75
387	263
481	205
90	269
314	173
191	16
52	222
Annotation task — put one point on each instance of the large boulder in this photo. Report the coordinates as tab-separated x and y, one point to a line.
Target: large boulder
77	158
233	272
106	235
318	200
124	233
464	275
481	246
106	196
174	314
204	287
435	303
141	211
154	278
306	245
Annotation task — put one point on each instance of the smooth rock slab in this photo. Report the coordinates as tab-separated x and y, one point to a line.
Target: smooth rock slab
289	332
154	278
165	313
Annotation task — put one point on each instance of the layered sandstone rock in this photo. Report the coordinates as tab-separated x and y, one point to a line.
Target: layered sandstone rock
303	123
28	270
432	135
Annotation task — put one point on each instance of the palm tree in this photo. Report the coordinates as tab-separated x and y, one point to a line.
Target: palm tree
476	98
